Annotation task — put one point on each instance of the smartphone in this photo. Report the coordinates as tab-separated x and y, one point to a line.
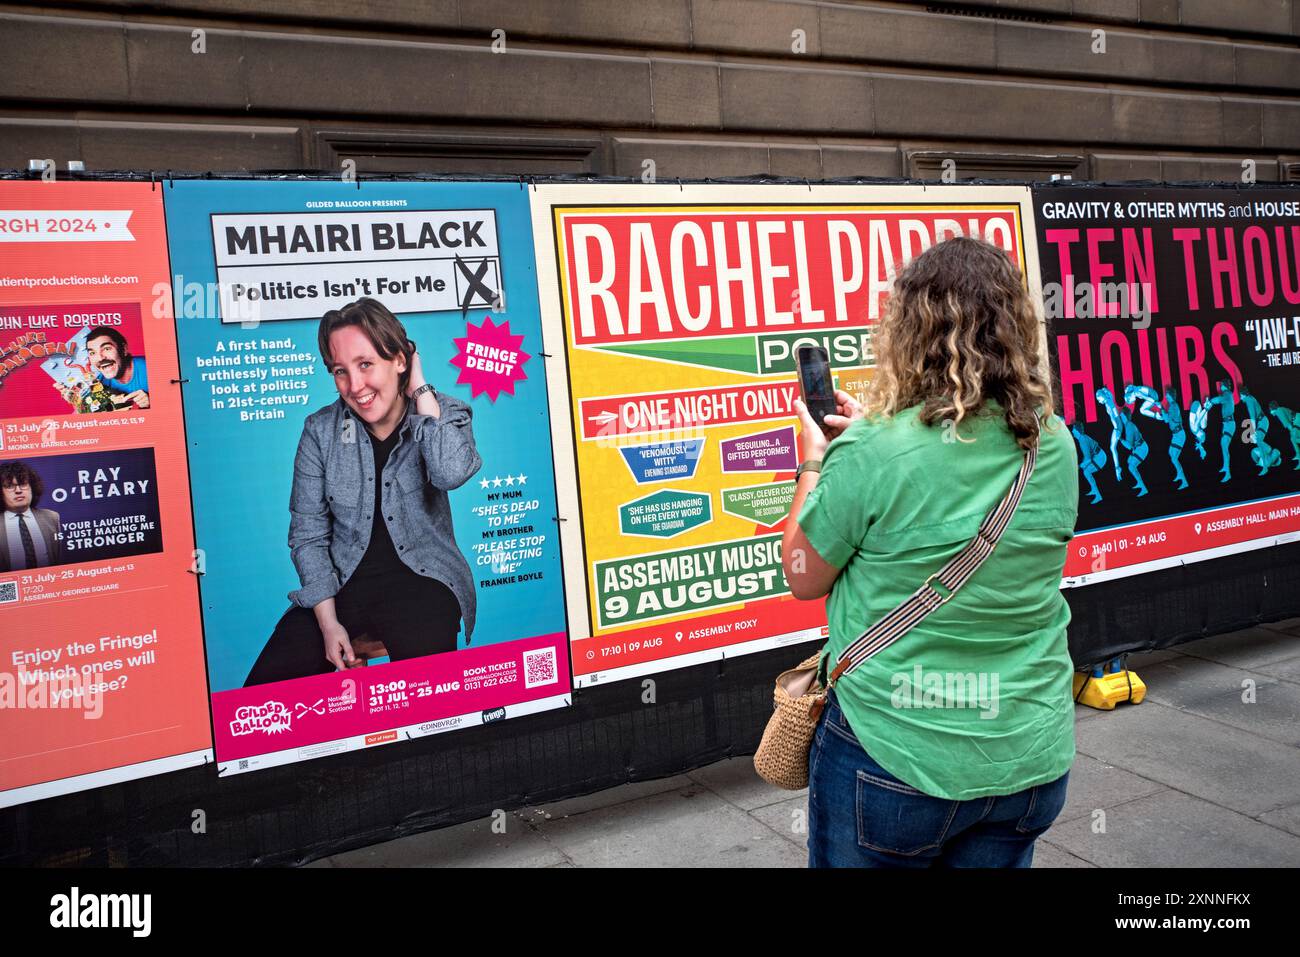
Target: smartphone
814	367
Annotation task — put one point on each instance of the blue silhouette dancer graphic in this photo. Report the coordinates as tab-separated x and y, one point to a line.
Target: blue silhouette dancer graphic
1172	415
1092	459
1288	419
1227	409
1124	433
1137	449
1198	417
1107	401
1147	396
1265	455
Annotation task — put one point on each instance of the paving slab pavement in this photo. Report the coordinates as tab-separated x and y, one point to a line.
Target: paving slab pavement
1204	773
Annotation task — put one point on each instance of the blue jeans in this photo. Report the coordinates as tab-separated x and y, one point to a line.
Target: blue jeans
860	815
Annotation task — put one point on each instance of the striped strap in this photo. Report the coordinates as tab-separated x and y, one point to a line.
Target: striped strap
952	576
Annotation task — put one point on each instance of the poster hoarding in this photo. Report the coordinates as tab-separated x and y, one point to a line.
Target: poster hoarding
102	675
1174	328
677	312
257	265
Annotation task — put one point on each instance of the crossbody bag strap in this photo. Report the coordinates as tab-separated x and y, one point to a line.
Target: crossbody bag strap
952	576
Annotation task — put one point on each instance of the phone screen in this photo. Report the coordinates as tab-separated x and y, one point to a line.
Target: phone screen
815	382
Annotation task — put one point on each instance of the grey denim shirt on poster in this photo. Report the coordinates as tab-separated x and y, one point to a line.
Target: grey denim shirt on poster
331	506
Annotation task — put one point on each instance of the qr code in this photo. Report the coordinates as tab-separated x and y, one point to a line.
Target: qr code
8	592
539	668
243	764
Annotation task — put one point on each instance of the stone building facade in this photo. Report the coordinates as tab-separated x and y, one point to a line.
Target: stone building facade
1015	89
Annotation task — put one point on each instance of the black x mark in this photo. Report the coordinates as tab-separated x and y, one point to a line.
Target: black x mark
475	284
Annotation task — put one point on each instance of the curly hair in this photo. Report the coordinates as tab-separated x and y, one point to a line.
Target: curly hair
20	473
961	329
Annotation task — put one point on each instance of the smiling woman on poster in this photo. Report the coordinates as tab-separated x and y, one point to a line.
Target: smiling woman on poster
370	531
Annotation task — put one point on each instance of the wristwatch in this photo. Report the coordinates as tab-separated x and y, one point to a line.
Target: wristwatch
421	391
808	465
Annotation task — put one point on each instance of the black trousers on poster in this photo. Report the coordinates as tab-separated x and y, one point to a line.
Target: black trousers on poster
411	615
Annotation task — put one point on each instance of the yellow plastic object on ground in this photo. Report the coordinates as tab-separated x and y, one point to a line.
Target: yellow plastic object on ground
1104	692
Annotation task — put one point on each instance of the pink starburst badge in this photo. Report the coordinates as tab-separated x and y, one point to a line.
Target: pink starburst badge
489	358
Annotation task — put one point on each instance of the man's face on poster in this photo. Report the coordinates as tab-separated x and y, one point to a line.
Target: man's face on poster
105	357
17	496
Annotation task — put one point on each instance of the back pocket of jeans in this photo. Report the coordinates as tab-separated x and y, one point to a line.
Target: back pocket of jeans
1045	803
899	819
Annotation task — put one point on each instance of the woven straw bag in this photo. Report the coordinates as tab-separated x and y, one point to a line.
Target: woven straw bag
782	756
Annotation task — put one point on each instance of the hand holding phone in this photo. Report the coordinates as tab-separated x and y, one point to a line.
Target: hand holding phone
815	383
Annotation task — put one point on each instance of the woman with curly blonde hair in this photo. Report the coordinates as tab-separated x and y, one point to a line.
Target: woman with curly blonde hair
950	747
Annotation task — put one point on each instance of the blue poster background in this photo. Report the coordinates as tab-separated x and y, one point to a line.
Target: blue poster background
241	471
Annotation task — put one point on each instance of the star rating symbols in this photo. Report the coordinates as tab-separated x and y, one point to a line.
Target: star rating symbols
497	481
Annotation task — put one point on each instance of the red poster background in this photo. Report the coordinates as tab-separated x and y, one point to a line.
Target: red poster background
160	710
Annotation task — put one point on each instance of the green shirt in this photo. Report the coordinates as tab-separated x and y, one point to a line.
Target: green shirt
976	699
